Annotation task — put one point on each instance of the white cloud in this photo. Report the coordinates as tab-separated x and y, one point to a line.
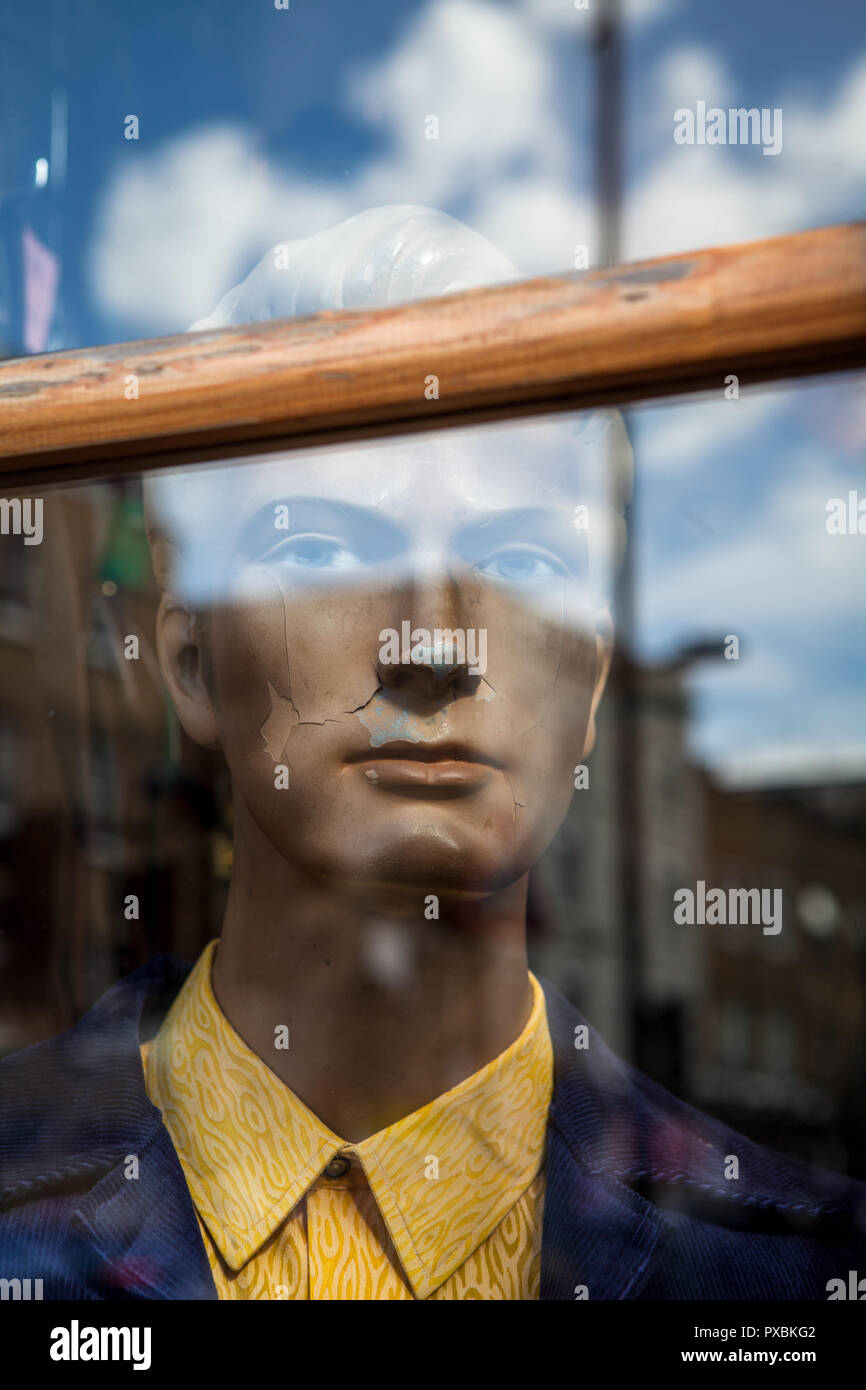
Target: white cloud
816	760
687	74
762	672
538	221
699	195
696	197
671	438
178	227
486	76
778	565
830	140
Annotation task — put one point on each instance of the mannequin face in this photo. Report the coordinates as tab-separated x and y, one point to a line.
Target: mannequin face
373	752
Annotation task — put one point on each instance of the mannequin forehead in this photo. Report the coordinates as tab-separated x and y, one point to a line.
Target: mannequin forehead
409	485
435	480
430	486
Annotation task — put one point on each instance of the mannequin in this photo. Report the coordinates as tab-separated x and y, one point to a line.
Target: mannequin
385	793
371	793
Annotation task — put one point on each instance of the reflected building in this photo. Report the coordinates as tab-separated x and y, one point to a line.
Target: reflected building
782	1041
766	1031
109	832
639	982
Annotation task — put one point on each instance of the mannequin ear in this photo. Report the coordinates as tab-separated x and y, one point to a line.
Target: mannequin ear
178	640
603	658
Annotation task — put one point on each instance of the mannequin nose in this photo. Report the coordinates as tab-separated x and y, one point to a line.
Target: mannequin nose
433	669
431	656
442	659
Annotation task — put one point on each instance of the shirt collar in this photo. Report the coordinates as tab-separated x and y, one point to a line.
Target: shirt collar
443	1177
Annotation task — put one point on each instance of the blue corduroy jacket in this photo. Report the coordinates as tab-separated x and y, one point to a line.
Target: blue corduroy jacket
637	1203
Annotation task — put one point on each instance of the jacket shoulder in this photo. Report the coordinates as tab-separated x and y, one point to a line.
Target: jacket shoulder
69	1105
621	1124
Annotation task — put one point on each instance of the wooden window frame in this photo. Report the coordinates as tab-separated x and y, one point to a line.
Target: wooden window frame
768	310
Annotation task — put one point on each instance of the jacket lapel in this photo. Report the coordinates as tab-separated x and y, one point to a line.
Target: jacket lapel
143	1230
76	1106
598	1236
139	1220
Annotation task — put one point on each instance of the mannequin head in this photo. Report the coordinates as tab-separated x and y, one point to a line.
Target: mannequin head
400	647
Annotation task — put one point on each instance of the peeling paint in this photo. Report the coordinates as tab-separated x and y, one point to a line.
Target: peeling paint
387	723
279	724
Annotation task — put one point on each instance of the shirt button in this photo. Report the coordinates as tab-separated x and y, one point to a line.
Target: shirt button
338	1166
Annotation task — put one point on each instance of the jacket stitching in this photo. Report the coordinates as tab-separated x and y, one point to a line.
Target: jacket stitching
814	1209
52	1177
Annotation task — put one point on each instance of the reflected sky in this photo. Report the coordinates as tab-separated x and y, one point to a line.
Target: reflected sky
257	126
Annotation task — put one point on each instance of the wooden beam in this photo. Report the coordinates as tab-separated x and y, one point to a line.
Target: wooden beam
764	310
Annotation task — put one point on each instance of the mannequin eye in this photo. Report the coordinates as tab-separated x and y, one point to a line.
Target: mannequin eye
518	564
314	552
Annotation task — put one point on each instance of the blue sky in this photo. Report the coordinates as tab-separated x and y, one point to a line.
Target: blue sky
260	125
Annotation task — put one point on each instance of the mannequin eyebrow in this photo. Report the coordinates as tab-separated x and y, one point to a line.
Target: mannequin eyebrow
376	539
361	527
546	526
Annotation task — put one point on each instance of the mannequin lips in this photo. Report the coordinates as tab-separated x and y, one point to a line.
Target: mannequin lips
421	769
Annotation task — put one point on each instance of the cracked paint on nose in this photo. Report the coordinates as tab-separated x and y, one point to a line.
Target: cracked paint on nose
385	722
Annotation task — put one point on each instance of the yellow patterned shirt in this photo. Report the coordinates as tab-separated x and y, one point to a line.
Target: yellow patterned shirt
445	1203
